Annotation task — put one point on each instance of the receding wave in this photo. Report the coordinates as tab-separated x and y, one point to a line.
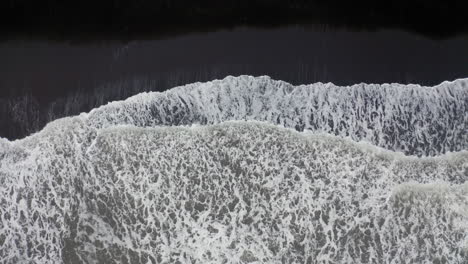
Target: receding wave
236	192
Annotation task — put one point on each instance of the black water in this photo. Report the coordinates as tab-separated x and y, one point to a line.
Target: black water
43	80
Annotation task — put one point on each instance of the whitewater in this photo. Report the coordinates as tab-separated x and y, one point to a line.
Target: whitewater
245	170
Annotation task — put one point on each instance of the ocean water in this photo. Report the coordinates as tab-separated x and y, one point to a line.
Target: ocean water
245	170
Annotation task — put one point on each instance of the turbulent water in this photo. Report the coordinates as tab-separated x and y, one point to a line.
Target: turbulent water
411	119
172	178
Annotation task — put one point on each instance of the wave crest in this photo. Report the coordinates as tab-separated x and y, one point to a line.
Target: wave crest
408	118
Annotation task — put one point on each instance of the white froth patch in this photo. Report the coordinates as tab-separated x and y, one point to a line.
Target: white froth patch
415	120
237	192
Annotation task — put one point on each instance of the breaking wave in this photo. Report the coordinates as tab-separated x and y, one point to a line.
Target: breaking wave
408	118
126	183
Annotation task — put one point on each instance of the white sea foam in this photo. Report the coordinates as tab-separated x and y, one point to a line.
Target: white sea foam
237	192
416	120
114	186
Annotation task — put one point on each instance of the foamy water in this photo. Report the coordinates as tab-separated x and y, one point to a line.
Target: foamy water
119	186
